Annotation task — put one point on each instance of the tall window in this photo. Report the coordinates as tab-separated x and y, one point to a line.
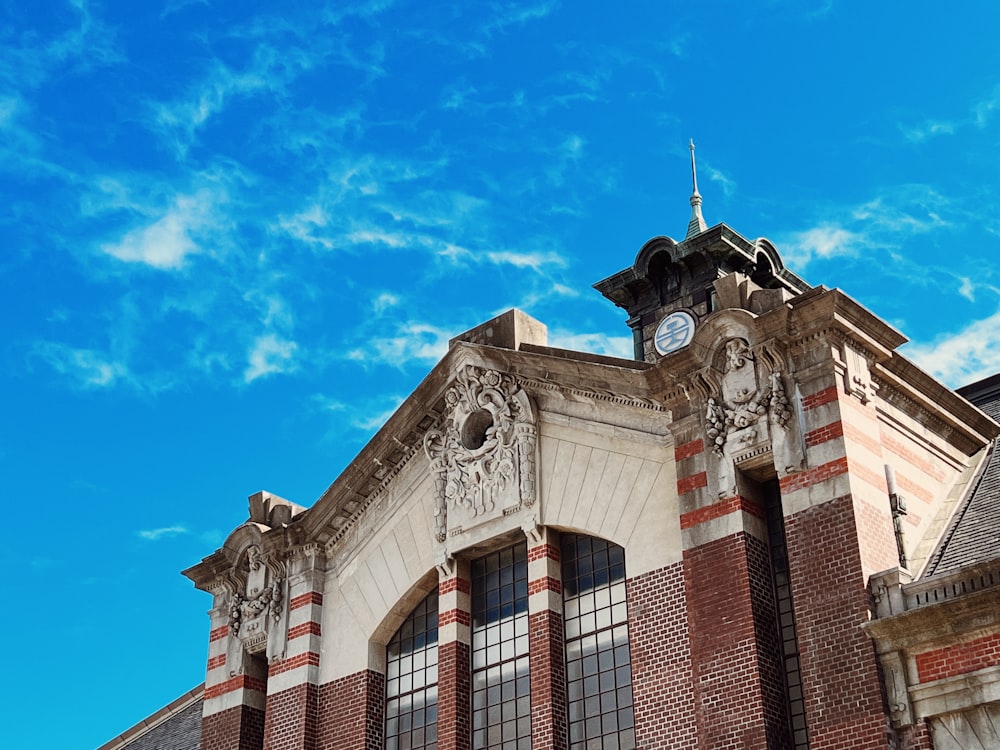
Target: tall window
501	686
411	681
598	665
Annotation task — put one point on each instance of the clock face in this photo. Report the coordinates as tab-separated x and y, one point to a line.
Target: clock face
674	332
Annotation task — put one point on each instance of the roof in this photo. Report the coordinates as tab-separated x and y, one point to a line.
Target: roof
176	726
974	532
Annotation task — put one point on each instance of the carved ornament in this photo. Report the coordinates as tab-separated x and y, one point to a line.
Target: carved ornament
744	400
483	456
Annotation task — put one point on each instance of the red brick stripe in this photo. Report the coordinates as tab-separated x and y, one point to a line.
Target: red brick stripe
454	615
809	477
302	600
306	628
218	633
292	662
722	508
689	449
548	583
692	483
959	659
822	434
825	396
239	682
217	661
542	552
454	583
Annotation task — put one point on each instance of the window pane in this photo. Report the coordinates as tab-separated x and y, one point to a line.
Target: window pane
411	692
500	676
598	667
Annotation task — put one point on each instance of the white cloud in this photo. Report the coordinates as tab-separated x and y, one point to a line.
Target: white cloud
825	241
384	301
509	15
929	129
533	261
727	184
594	343
962	357
90	368
166	242
412	342
270	355
153	535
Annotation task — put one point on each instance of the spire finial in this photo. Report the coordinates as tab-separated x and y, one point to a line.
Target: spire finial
697	224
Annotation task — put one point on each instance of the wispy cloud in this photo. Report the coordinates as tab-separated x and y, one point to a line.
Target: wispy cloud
165	532
411	342
962	356
595	343
270	355
509	15
980	115
168	240
87	367
887	221
365	416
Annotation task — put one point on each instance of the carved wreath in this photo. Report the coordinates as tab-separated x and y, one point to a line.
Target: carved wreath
485	445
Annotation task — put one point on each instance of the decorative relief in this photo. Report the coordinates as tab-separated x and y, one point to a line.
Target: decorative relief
256	601
483	457
745	403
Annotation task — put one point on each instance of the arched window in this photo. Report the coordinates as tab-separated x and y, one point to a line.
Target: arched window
411	681
598	665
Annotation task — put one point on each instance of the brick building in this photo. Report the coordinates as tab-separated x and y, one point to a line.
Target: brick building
768	530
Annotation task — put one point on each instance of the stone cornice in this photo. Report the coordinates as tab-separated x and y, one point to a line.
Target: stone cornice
936	610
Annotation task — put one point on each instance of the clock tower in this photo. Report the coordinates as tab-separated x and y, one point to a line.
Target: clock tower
673	286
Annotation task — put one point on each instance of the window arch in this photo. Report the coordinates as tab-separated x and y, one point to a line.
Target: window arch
598	663
411	680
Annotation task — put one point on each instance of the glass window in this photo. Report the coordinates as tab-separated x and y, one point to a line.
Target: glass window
411	681
501	685
598	666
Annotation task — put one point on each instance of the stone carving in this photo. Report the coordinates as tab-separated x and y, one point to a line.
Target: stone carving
483	456
256	603
745	399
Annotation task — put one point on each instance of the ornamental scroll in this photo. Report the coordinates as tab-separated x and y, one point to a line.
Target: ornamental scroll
746	403
483	456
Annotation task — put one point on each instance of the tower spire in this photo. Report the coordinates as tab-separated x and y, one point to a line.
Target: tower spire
697	224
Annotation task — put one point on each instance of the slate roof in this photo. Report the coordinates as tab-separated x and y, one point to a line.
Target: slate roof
974	532
176	726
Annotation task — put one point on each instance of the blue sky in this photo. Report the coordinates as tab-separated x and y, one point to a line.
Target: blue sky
235	236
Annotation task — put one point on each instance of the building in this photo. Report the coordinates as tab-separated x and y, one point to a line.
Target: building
769	530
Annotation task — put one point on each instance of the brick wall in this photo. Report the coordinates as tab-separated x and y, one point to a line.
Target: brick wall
959	658
661	660
290	722
731	708
454	696
238	728
548	681
843	695
352	712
